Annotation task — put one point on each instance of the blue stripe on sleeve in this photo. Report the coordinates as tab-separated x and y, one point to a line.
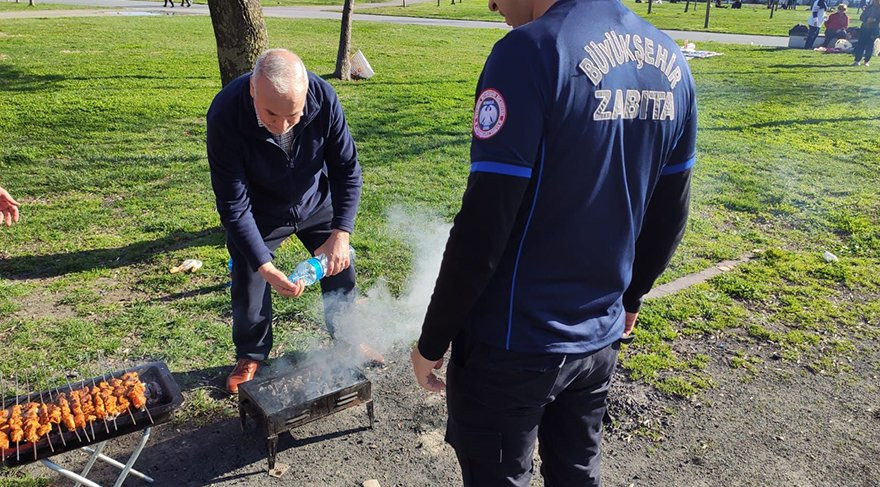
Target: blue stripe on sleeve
677	168
501	168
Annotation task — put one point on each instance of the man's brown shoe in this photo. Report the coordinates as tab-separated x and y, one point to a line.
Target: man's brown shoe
371	357
244	370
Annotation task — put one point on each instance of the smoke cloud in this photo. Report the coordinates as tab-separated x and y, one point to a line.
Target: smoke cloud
378	318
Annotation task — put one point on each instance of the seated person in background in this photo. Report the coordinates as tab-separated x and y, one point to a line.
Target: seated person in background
736	4
836	25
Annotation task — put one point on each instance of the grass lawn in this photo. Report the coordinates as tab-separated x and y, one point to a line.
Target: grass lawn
279	3
102	139
748	20
7	6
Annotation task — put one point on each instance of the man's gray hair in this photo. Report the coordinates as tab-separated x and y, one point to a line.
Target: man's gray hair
283	69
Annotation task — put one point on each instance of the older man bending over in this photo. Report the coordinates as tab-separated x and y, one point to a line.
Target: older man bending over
282	163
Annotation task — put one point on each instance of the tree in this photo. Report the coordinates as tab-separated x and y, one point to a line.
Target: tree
241	35
343	63
708	5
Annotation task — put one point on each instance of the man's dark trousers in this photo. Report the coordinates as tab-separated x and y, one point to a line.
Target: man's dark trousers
832	35
812	34
501	401
251	295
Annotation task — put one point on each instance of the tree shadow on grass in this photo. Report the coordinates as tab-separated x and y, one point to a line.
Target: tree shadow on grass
785	123
53	265
813	67
13	79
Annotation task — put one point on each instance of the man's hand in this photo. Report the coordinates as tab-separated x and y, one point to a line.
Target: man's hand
279	281
8	208
630	323
424	370
336	250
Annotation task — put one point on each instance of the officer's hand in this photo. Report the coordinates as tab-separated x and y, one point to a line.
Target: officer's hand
336	250
279	281
424	370
8	208
630	323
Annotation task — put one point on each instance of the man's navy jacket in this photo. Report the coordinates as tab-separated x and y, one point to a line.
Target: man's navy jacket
259	187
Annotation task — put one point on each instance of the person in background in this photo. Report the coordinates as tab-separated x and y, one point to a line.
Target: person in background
868	33
836	25
817	18
576	200
8	208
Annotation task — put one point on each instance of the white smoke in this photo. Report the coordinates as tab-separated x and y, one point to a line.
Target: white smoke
382	320
378	319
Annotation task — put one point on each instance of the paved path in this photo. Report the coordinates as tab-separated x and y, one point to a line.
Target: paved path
139	7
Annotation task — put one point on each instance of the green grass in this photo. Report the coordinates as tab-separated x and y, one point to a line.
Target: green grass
751	19
102	139
22	6
277	3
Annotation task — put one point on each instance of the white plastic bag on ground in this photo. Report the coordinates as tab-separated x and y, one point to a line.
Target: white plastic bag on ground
843	45
360	67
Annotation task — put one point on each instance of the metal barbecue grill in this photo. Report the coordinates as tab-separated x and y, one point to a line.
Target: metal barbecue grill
163	397
301	394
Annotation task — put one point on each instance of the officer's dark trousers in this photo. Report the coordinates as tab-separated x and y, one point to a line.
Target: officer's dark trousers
251	295
500	402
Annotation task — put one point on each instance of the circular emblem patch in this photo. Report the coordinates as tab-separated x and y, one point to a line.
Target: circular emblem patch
489	114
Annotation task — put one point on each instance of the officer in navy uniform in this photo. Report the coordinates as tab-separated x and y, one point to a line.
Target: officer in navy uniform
584	136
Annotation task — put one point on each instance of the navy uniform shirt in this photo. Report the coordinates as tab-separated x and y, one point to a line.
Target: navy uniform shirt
579	117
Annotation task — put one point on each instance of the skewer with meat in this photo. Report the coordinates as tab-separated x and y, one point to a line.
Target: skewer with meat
135	390
46	415
67	414
55	415
121	391
100	410
79	417
16	434
109	400
4	431
88	408
31	422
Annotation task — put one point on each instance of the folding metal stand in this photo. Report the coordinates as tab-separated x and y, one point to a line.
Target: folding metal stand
96	454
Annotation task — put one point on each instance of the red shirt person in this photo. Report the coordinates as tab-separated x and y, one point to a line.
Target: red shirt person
836	25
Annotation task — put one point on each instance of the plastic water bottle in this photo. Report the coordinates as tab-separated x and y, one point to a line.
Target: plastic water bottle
312	270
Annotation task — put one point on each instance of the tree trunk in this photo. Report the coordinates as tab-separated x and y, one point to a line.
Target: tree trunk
649	5
241	35
687	6
30	3
343	63
706	24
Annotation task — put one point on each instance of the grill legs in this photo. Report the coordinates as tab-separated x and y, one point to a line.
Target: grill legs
370	412
272	446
